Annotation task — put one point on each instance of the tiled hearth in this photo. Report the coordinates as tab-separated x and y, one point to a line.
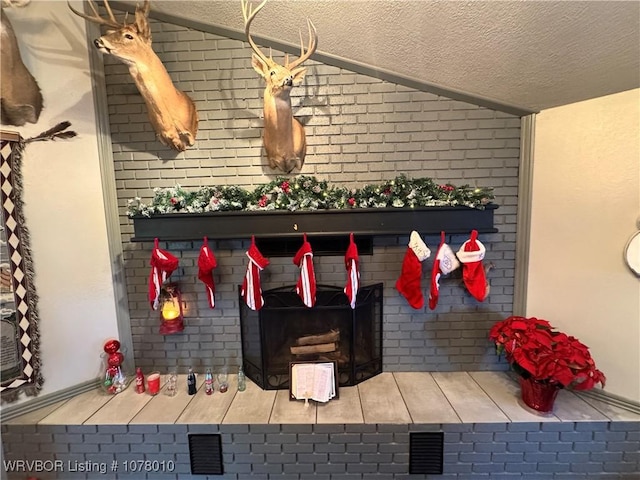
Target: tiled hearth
409	397
363	434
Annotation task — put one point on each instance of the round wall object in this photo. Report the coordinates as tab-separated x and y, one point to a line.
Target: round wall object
632	253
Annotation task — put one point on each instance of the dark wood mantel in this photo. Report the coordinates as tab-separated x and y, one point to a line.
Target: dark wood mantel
320	223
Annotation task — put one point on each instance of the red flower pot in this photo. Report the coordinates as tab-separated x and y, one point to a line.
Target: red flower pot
538	395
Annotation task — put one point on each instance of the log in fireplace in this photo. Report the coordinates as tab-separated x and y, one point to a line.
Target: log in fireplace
284	330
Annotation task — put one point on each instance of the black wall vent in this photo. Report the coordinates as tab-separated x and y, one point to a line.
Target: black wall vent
205	454
426	452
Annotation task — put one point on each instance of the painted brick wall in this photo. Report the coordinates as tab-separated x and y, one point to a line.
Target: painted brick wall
533	451
360	130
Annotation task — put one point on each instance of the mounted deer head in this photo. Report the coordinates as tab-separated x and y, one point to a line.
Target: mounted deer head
284	138
20	96
172	113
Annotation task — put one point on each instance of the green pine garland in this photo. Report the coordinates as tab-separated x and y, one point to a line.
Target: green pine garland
308	193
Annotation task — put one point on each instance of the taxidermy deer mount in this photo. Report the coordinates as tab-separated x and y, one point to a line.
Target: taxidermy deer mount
172	113
20	95
284	138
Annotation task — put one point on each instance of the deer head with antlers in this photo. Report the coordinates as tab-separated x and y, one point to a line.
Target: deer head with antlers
172	113
20	96
284	138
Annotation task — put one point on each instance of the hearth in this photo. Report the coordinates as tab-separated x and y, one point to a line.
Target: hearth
284	331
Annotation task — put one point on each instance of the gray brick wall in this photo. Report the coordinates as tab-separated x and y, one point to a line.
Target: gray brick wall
590	450
360	130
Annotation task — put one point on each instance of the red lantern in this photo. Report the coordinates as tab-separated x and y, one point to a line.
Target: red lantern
171	314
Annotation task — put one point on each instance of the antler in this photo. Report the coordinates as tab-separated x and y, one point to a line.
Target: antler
311	48
96	18
249	14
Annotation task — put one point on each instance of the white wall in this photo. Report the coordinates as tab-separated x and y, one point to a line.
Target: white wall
64	205
586	200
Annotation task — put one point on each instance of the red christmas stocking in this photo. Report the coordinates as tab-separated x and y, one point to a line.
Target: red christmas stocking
352	263
409	283
444	263
206	264
471	254
306	286
162	266
251	290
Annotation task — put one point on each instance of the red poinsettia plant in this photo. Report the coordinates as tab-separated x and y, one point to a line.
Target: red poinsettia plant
537	350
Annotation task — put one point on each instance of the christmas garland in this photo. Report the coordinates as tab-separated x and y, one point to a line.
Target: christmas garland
308	193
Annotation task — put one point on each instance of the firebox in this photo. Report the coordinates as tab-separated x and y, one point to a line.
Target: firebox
284	330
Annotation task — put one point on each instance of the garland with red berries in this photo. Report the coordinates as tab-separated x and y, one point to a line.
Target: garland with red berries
308	193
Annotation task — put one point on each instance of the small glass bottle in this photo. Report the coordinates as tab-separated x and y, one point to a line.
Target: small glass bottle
208	382
223	380
139	380
242	381
191	382
172	383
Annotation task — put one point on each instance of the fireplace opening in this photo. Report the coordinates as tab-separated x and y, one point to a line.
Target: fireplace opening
284	330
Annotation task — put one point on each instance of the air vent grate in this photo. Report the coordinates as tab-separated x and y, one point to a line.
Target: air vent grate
205	454
426	452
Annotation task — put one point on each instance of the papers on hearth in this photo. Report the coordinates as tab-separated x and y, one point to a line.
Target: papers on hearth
313	381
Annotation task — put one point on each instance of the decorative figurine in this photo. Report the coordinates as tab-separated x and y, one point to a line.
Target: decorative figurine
114	380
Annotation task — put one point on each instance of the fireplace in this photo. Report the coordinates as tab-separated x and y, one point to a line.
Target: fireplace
284	330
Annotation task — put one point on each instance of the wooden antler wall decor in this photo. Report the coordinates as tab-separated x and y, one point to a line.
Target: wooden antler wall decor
172	113
284	137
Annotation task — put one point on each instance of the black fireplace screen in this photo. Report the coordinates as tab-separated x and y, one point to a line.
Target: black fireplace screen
284	330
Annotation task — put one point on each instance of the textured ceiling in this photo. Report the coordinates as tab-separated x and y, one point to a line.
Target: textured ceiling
529	54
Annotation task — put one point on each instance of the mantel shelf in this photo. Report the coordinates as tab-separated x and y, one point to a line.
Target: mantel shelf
321	223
